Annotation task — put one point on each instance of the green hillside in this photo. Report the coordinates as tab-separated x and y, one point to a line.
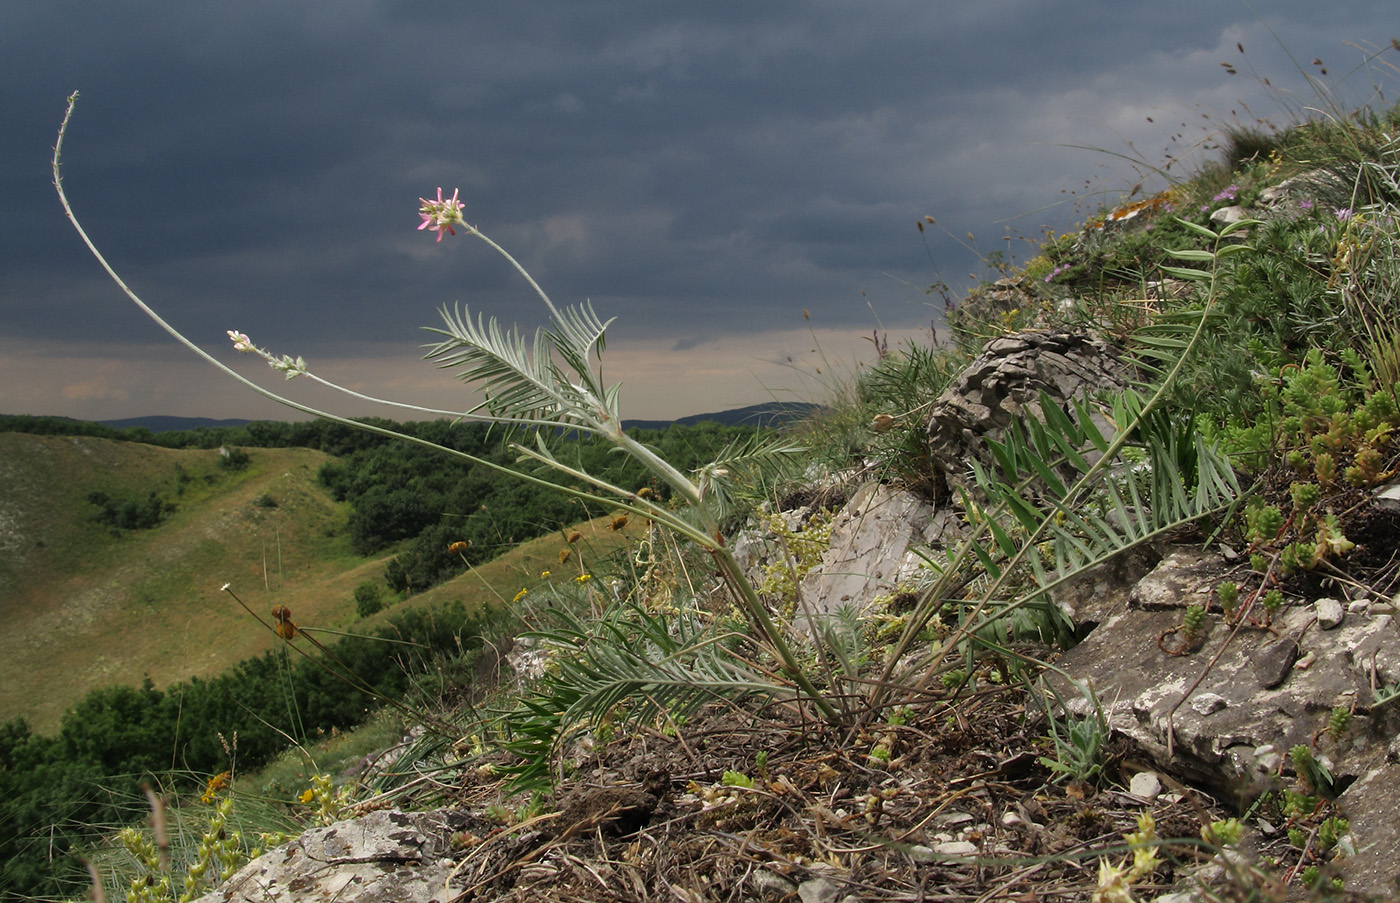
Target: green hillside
83	606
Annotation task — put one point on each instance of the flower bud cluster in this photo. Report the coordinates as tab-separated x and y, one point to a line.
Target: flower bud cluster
284	364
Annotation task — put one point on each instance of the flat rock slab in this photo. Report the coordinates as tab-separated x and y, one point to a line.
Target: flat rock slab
383	857
1228	726
869	553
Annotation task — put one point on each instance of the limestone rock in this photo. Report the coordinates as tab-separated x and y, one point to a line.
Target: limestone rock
1329	613
383	857
1274	661
1224	731
870	551
1145	785
1184	577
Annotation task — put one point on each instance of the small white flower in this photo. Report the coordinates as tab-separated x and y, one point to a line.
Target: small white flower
241	342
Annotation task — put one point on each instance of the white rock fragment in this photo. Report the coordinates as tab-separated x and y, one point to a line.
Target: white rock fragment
818	890
920	853
1145	785
1329	613
956	848
1207	704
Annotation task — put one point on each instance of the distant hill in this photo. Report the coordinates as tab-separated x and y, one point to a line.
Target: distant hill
766	414
159	423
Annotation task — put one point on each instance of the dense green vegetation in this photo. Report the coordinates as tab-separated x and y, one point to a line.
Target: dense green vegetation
407	492
131	513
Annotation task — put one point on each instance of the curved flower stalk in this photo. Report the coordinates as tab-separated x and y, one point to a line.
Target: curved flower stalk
548	382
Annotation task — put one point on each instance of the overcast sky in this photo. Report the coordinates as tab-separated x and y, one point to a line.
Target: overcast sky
703	172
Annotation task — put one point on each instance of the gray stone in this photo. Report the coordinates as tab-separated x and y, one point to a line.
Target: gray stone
818	890
767	884
1184	577
1274	662
383	857
870	551
1388	497
1005	383
921	853
1237	751
1208	703
956	848
1329	613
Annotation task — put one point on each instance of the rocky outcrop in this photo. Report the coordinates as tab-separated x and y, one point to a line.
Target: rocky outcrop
1006	382
872	549
1222	714
384	857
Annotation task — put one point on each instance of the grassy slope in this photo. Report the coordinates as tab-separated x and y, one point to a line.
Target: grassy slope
81	608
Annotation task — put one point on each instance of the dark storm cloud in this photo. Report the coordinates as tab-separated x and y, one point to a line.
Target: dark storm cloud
696	169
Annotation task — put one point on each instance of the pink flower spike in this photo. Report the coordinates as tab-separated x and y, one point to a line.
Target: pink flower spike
441	215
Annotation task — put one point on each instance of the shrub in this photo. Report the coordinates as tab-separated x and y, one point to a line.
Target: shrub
368	599
233	458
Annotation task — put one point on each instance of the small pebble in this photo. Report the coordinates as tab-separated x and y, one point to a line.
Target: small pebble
920	853
1329	613
957	848
1145	785
818	890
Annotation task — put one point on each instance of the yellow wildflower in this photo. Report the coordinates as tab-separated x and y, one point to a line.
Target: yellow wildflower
217	783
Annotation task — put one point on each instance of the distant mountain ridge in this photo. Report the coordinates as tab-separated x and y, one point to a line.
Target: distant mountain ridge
767	414
161	423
